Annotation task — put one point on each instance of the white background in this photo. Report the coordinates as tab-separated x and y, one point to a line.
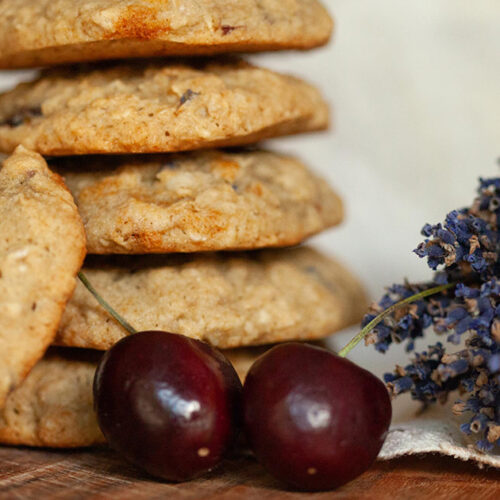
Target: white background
415	93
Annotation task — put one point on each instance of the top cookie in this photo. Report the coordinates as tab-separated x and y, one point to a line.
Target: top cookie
47	32
156	107
42	246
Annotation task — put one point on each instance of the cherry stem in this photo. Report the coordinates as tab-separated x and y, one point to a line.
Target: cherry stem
124	323
375	321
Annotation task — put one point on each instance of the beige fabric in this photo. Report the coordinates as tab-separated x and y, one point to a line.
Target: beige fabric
436	430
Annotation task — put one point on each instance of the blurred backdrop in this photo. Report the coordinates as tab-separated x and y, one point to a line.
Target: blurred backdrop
415	94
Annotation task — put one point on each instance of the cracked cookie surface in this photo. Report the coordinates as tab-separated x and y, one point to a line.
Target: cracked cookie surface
42	246
204	201
226	299
152	107
48	32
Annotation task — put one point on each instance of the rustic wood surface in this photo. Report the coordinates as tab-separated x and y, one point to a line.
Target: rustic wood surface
100	474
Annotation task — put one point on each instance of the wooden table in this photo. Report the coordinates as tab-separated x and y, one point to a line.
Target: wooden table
99	474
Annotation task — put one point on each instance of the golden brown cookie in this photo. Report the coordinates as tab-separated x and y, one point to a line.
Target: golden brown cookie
228	300
195	202
48	32
42	246
54	406
157	107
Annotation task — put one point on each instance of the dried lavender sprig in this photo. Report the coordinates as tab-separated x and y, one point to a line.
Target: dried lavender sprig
466	247
392	309
407	323
434	374
483	402
469	237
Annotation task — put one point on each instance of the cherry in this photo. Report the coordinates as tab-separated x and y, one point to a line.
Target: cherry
168	403
314	420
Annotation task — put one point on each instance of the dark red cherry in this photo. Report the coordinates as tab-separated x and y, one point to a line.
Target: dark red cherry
314	420
168	403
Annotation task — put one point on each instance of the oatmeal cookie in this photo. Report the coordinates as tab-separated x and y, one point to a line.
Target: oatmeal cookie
42	246
47	32
193	202
152	107
226	299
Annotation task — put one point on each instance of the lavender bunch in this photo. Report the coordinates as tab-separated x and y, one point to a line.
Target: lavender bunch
464	250
468	241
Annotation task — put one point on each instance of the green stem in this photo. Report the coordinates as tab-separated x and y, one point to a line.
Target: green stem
130	329
375	321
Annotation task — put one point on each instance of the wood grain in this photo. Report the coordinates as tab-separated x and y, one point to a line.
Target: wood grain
100	474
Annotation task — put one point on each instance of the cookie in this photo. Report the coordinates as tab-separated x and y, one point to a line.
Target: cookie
195	202
42	246
48	32
228	300
147	107
54	406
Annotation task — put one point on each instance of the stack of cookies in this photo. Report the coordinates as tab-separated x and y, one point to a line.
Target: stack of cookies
117	160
